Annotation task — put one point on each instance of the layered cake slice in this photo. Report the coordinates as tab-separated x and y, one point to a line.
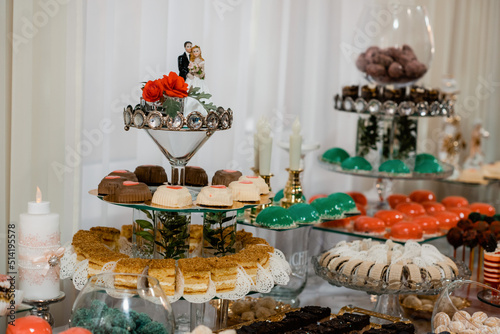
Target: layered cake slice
98	258
224	272
129	266
109	235
164	271
196	273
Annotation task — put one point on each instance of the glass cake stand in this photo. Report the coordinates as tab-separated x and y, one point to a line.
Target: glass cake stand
388	293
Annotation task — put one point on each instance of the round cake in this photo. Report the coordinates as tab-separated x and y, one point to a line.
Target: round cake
428	167
152	175
172	196
462	212
446	219
345	201
358	197
455	201
425	157
482	208
109	184
218	195
244	191
429	224
431	206
303	213
196	176
419	196
327	208
278	196
394	167
275	217
225	177
405	231
335	155
390	217
370	225
411	209
395	199
132	192
127	175
356	163
258	181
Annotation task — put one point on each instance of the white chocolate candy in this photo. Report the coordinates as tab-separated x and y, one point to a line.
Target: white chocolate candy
441	319
456	326
479	317
461	315
440	329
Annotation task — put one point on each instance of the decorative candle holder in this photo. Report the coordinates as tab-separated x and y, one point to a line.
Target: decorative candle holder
292	193
41	307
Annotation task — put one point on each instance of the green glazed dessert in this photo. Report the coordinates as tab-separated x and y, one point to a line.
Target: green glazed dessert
275	217
356	163
327	208
279	195
335	155
424	157
345	201
428	167
303	213
394	167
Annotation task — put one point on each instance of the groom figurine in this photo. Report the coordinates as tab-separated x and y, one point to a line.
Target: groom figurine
183	60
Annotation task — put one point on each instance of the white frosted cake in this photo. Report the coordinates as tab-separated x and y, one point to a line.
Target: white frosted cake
244	191
258	181
217	195
172	196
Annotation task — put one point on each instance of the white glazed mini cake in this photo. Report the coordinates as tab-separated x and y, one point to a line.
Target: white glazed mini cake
258	181
244	191
172	196
218	195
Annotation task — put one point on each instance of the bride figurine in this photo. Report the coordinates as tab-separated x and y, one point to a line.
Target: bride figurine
196	75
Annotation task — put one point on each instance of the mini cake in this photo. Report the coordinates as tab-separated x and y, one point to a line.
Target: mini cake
258	181
225	177
356	163
335	155
429	224
345	201
395	199
358	197
172	196
462	212
278	196
394	167
419	196
455	202
371	225
428	167
164	271
244	191
446	219
126	174
424	157
406	231
275	217
432	206
109	184
482	208
196	176
98	258
132	192
390	217
411	209
196	274
224	271
152	175
109	235
471	175
129	266
219	196
327	208
303	213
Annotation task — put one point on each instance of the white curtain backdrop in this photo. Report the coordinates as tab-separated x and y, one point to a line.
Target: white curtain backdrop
69	81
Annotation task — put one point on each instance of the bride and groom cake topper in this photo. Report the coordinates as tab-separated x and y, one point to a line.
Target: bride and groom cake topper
192	66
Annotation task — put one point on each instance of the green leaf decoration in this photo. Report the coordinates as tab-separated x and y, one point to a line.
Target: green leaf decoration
147	213
144	224
145	235
172	107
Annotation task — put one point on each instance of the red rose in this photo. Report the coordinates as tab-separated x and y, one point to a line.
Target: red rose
174	85
152	91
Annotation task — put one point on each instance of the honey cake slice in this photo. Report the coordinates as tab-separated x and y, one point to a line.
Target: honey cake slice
196	273
110	236
248	261
224	272
129	266
164	271
99	257
126	232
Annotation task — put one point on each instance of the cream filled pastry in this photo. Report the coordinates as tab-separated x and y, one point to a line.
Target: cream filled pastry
172	196
218	195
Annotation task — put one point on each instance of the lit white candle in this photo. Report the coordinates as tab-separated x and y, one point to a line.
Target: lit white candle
295	145
265	149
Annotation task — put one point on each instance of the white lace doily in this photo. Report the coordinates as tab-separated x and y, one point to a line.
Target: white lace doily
280	269
243	285
197	299
68	262
126	247
264	280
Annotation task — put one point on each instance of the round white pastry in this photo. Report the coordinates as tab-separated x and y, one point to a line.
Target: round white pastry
258	181
462	315
172	196
479	317
492	322
440	329
456	326
244	191
413	301
215	196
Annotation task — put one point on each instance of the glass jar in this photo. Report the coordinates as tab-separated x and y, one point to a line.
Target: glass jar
219	233
172	234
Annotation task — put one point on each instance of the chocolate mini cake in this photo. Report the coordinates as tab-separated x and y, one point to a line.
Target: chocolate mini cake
152	175
132	192
109	184
400	328
225	177
195	176
128	175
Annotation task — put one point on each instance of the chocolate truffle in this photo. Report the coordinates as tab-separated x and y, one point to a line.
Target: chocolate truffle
455	237
465	224
132	192
152	175
488	241
109	184
225	177
128	175
470	238
481	226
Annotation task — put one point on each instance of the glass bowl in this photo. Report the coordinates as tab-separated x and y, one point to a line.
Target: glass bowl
393	44
479	315
105	305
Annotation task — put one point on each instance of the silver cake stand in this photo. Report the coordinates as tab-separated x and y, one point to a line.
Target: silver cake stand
41	307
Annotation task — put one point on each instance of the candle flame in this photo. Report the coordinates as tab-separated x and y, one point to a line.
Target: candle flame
38	195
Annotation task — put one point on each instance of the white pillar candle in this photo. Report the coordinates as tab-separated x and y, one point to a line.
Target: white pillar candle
295	145
265	149
256	149
39	239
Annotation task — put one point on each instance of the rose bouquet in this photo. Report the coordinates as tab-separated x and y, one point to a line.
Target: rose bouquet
194	68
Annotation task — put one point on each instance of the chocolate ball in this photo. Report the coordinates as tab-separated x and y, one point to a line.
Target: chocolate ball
470	238
361	62
455	237
488	241
395	70
465	224
376	70
481	226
